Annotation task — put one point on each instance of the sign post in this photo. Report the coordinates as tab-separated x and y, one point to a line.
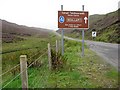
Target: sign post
61	19
73	19
83	35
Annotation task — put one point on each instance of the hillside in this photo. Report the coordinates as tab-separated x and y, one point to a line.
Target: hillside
70	70
105	25
12	32
95	18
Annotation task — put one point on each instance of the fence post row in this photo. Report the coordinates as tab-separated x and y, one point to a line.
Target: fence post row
49	56
23	69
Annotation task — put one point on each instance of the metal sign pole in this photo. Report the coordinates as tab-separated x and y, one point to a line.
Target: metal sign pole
62	40
83	36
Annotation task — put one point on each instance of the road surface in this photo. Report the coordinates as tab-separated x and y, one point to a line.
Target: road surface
107	51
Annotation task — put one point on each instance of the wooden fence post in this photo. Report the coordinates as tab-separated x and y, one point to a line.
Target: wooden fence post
49	56
56	47
23	69
59	45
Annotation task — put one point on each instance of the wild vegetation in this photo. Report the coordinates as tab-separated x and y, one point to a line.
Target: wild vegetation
69	71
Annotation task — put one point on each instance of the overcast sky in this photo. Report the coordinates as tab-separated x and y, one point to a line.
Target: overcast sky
44	13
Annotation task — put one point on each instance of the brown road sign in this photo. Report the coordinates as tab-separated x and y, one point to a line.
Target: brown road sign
73	19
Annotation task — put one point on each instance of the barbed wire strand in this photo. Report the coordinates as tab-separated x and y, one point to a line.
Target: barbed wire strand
9	70
23	70
36	59
41	78
31	64
36	53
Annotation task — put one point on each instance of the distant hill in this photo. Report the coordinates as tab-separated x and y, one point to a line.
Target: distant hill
107	27
12	32
94	18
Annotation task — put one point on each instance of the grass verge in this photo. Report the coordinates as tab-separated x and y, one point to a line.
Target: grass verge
89	71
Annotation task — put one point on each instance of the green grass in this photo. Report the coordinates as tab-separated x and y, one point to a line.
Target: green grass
89	71
30	46
29	43
112	74
107	34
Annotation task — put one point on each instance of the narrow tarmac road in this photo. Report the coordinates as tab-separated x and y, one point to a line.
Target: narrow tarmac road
107	51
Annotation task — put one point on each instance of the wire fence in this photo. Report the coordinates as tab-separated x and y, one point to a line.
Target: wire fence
43	77
19	64
43	53
42	80
10	70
